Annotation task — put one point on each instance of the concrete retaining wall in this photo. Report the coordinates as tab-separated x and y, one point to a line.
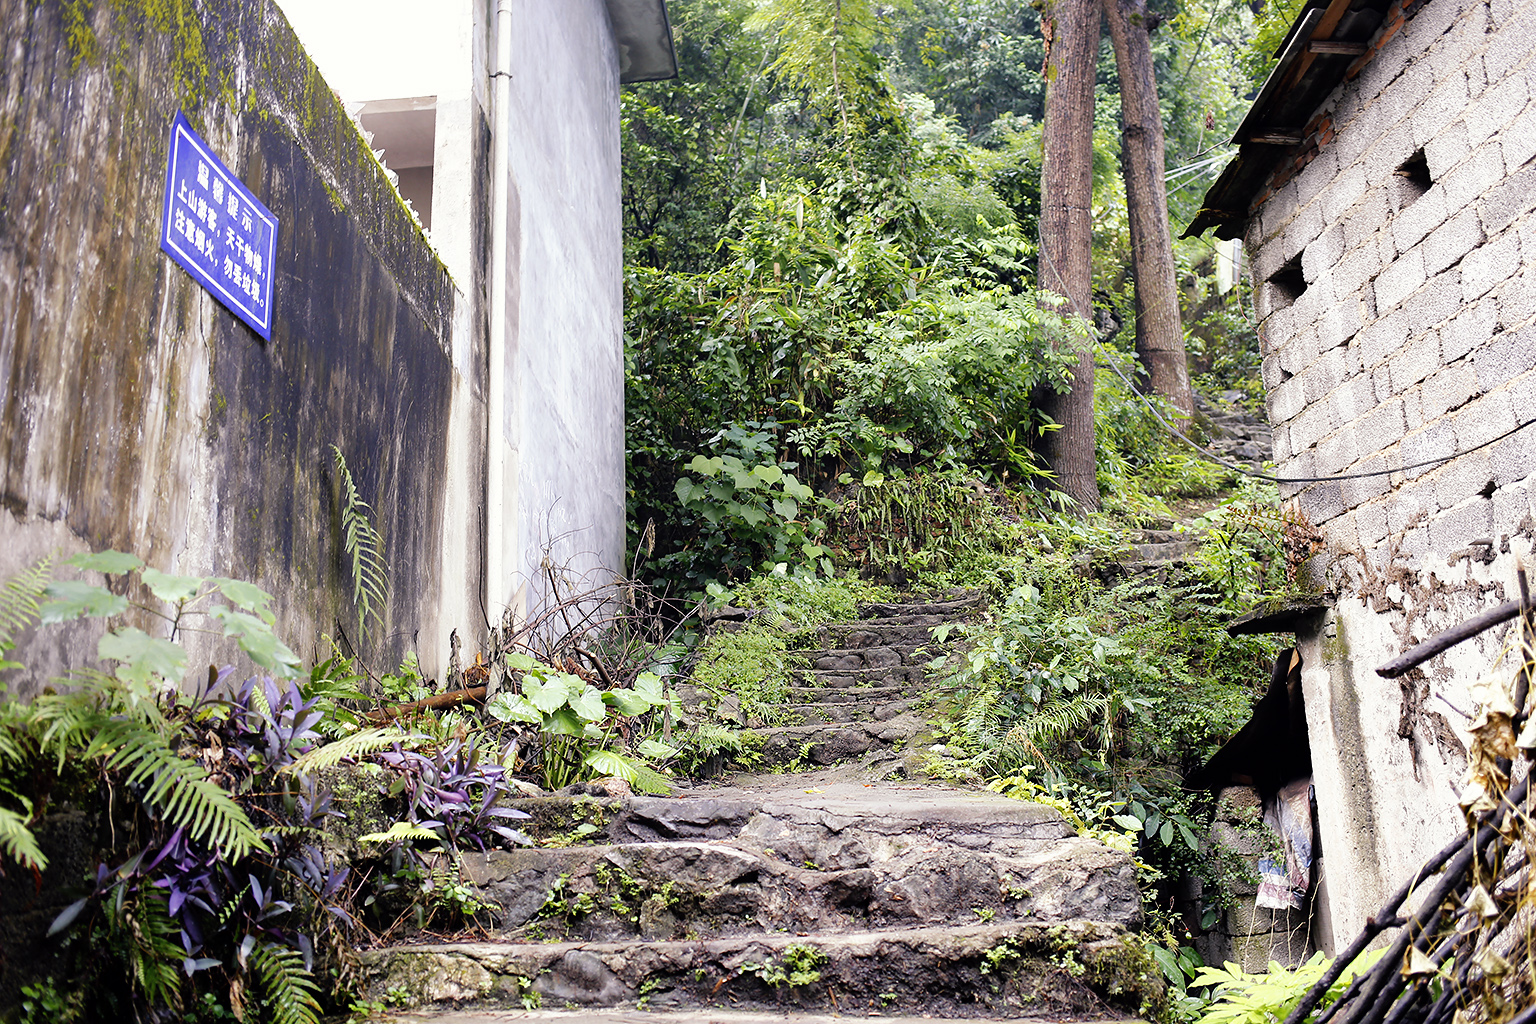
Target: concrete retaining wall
1392	269
140	414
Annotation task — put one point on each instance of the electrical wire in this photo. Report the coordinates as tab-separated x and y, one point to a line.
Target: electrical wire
1239	468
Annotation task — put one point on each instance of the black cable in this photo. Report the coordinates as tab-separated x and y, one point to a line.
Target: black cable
1238	468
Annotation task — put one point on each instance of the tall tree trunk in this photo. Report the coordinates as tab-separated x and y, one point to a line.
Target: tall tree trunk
1159	332
1066	228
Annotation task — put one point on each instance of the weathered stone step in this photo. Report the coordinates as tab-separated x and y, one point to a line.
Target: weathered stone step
875	633
957	608
674	1015
1164	552
843	658
846	678
780	876
1008	969
842	690
834	712
806	745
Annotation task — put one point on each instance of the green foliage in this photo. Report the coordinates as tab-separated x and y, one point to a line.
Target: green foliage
19	604
179	789
116	722
404	684
1271	27
1266	998
752	512
802	601
364	547
353	745
800	966
1036	680
16	839
750	664
577	724
288	992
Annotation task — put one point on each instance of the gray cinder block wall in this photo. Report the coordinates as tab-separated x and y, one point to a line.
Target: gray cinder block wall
1394	269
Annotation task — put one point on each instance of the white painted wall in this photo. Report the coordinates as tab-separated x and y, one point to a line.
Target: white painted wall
565	407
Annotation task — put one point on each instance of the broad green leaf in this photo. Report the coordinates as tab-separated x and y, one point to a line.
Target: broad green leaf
1127	822
797	490
1189	837
650	686
1166	833
753	516
656	749
626	702
588	703
257	639
768	474
248	596
170	588
507	706
522	662
565	722
873	478
142	656
705	466
684	489
108	561
785	508
552	694
72	599
745	481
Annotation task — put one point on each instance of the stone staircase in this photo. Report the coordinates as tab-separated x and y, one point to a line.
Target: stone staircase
853	897
831	890
863	692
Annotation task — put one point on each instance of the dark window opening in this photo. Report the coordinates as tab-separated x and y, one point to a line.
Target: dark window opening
1286	284
1410	181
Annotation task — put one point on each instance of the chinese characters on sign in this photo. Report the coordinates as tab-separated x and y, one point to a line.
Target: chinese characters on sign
217	230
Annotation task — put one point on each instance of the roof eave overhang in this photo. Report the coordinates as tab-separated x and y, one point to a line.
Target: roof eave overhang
643	36
1327	39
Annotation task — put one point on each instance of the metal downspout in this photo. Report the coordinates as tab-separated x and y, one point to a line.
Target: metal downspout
496	392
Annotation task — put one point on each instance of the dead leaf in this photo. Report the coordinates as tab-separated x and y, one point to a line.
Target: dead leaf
1418	964
1480	903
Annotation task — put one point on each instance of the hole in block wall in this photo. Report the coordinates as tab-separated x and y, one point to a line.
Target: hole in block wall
1286	284
1410	181
1488	489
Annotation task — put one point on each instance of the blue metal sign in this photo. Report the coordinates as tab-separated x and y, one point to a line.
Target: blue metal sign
220	234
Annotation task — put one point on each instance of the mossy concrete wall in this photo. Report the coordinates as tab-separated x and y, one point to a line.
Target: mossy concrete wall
138	413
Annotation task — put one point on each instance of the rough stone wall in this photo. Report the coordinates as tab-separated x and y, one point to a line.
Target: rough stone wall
1247	934
1391	262
140	414
565	424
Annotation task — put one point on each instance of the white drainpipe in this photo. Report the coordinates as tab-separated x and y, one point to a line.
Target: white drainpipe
496	392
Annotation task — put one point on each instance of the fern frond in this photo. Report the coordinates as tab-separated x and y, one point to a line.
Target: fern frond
288	990
364	546
356	745
154	955
180	789
17	841
1059	717
19	603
